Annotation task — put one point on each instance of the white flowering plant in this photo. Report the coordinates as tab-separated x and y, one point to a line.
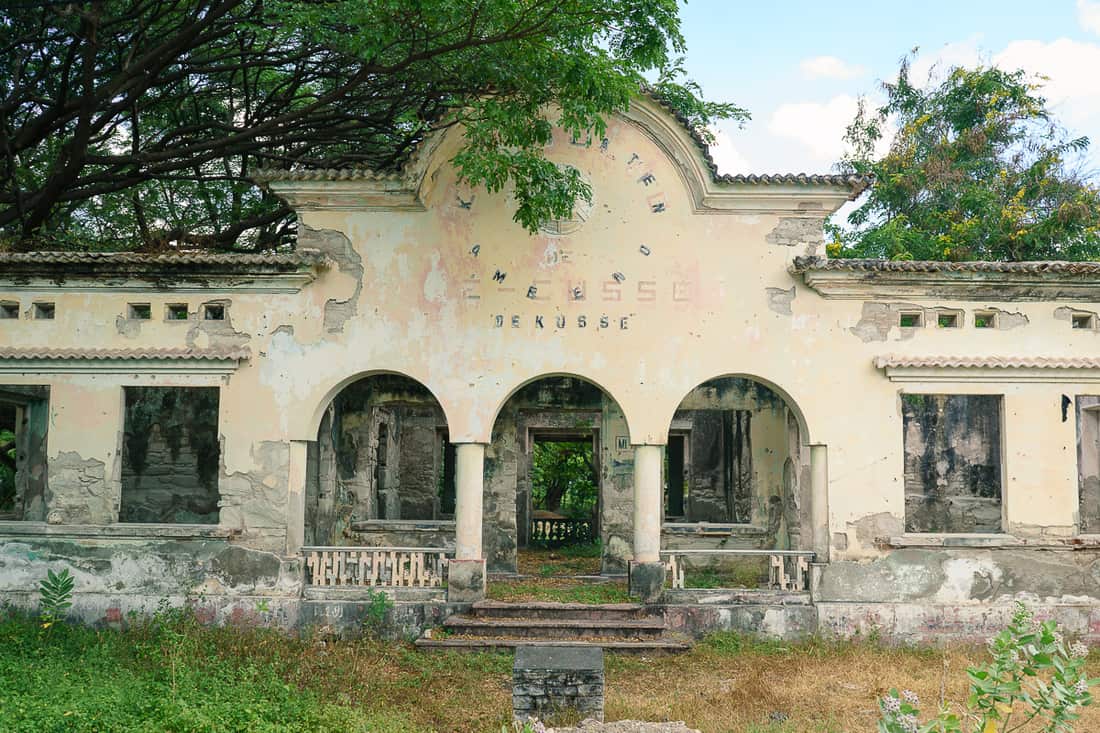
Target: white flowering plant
1035	680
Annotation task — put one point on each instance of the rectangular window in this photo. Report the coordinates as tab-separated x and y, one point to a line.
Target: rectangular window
139	311
947	320
175	312
24	422
911	319
213	312
9	309
44	311
952	462
170	455
1083	320
1088	462
985	319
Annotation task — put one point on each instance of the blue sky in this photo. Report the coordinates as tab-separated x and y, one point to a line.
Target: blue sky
800	66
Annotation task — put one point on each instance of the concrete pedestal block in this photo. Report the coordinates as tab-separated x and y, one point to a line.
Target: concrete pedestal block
647	580
465	581
551	681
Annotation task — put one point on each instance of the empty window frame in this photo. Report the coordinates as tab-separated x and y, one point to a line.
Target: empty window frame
43	311
1083	321
170	455
948	319
1088	462
24	423
213	312
985	319
9	310
911	319
953	470
176	312
139	311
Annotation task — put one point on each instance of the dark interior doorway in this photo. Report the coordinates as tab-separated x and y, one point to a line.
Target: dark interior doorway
565	488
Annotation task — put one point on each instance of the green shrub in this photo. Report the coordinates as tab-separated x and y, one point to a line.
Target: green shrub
1034	677
55	597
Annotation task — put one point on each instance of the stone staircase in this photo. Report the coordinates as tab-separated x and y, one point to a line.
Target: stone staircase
496	625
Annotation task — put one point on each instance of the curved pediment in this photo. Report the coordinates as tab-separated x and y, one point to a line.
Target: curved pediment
684	149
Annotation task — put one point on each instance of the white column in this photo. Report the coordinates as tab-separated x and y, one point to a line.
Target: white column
819	500
469	490
296	497
647	503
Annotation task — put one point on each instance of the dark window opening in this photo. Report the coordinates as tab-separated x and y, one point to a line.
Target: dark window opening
44	311
176	312
911	320
447	478
674	476
24	421
985	319
947	320
1083	320
170	455
9	310
213	312
140	311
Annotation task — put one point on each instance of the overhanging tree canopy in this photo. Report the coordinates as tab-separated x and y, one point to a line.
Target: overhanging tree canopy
978	169
136	123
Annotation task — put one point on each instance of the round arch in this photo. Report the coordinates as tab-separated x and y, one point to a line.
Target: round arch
513	391
788	399
313	426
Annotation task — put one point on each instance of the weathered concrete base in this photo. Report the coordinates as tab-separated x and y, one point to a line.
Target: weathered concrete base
465	581
646	580
697	613
547	681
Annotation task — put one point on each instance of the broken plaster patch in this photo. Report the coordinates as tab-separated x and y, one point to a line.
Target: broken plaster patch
779	300
877	319
338	248
792	231
128	327
219	334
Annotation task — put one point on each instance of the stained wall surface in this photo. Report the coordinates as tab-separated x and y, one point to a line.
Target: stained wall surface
670	278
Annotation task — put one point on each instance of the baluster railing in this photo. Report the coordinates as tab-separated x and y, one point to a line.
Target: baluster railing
386	567
788	570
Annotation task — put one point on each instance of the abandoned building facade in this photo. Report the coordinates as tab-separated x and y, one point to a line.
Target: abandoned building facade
905	446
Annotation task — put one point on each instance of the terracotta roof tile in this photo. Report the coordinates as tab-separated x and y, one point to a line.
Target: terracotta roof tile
985	362
184	259
1056	267
38	354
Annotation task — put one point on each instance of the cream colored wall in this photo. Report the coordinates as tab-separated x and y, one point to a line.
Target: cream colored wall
710	317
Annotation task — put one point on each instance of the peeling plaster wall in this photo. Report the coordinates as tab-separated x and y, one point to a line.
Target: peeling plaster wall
417	292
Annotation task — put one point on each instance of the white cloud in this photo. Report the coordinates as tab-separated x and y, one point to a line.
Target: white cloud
830	67
1072	87
726	155
819	126
1088	14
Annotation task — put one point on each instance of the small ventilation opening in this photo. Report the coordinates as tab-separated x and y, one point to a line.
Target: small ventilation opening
911	320
176	312
1083	320
985	319
140	311
44	311
947	320
9	309
213	312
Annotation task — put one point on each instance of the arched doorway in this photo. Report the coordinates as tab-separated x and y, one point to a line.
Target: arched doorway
737	476
382	470
559	463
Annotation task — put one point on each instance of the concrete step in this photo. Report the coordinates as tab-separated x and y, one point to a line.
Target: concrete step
650	646
587	611
556	628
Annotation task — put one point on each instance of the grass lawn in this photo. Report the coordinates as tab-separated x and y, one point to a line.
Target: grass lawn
181	677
